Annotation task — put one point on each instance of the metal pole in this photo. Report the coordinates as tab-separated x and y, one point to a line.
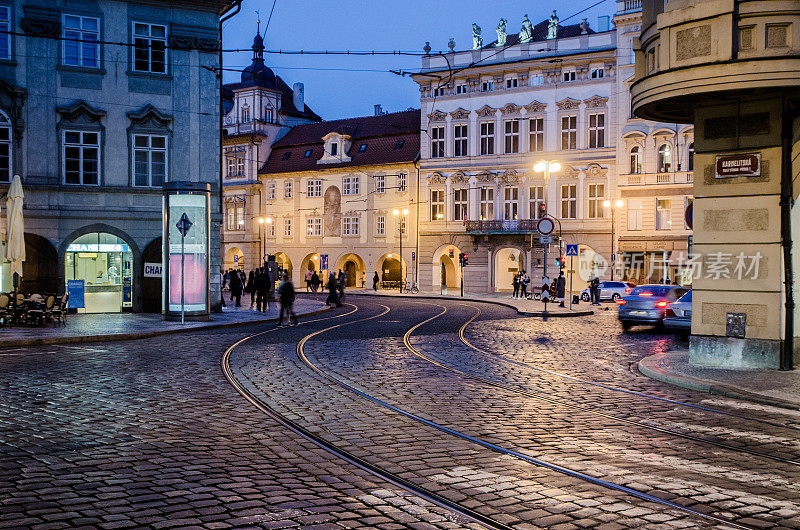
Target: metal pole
571	274
402	282
544	275
613	224
461	268
183	238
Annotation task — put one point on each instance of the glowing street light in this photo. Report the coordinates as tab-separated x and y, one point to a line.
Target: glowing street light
262	222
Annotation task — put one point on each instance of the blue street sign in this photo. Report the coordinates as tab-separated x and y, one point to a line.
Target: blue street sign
323	262
76	290
572	250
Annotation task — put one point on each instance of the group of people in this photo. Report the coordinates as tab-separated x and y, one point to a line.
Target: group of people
520	284
258	283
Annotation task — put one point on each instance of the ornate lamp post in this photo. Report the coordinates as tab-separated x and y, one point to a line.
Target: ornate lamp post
614	206
401	229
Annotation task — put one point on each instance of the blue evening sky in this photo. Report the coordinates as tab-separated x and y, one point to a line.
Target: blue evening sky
375	25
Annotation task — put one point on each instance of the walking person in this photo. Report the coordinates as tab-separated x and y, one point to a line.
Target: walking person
561	288
341	283
524	280
286	297
594	291
515	285
375	281
263	282
315	281
333	292
251	288
309	274
236	288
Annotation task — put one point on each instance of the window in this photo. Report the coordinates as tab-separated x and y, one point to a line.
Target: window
636	160
596	197
231	165
399	144
362	148
487	86
287	227
401	181
569	75
460	140
149	160
569	132
536	134
597	131
287	189
80	44
664	158
634	214
270	229
350	226
460	201
512	136
5	149
438	92
81	157
512	82
461	89
271	190
245	115
690	161
268	117
536	199
334	148
487	204
380	183
5	36
307	153
437	142
437	205
380	225
234	216
150	50
487	138
350	185
598	73
314	188
569	201
510	203
314	226
287	155
537	80
240	166
663	211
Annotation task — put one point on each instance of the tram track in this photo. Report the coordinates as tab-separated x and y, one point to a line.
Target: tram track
300	351
548	399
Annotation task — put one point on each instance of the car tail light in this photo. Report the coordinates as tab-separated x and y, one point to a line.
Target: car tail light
670	313
662	303
645	294
620	302
628	290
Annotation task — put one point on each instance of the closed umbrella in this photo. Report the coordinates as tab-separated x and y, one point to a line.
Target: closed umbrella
15	228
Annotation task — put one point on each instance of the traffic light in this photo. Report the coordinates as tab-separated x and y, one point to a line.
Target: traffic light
560	262
463	259
542	210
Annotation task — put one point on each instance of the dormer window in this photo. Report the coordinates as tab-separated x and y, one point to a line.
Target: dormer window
268	115
569	74
399	144
362	148
334	149
307	154
512	82
286	155
245	115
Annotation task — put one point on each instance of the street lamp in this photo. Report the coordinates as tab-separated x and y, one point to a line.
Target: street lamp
614	206
401	227
262	222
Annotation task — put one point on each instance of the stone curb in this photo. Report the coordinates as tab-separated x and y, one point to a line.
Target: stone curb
113	337
648	368
453	299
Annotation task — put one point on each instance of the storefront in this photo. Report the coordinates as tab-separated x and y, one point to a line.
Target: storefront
99	274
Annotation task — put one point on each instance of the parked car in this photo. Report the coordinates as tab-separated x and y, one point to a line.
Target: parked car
647	305
679	314
610	291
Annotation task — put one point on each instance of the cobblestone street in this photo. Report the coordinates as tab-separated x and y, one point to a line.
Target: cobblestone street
450	414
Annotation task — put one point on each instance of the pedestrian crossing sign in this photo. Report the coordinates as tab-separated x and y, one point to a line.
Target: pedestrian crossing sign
572	250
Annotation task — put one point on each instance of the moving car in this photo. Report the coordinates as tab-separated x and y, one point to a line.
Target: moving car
610	291
647	305
679	314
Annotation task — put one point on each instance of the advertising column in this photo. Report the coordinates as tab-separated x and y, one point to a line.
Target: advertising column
186	250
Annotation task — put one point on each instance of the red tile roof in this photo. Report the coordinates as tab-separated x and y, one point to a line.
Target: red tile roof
390	138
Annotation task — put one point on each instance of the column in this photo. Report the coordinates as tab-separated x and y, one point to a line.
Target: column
498	132
581	197
473	198
524	131
448	136
474	134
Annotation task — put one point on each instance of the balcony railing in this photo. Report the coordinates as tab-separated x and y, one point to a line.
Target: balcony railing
501	227
643	179
628	5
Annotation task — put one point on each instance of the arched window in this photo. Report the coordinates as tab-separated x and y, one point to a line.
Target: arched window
636	160
5	148
664	158
691	157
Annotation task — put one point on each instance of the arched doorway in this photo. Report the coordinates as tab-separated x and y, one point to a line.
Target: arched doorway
152	286
353	266
448	274
234	259
40	268
284	264
390	269
102	263
446	270
507	263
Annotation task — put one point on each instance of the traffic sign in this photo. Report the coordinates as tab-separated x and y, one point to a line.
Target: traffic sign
689	214
545	226
184	225
572	250
545	239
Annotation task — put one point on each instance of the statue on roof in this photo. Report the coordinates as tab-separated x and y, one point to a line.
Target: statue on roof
552	27
477	40
526	33
501	33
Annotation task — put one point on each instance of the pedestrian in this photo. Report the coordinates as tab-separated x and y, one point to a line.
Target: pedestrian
333	296
286	297
236	288
309	274
524	280
341	283
515	285
594	291
251	287
561	288
315	281
263	281
375	281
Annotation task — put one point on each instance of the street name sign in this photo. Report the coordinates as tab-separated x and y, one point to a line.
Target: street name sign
740	165
545	239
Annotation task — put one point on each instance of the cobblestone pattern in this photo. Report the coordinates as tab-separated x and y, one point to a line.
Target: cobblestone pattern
149	434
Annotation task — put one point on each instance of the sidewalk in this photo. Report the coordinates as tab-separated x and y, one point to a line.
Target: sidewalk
82	328
766	387
534	308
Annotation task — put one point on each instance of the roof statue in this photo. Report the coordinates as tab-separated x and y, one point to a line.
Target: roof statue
452	44
501	33
526	33
477	40
552	27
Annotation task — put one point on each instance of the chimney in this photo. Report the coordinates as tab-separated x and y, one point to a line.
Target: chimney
299	97
379	111
603	24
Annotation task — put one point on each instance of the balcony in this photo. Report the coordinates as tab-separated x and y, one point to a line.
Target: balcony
519	226
656	179
626	6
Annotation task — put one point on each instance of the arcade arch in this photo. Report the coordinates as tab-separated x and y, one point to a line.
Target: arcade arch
444	267
508	261
354	267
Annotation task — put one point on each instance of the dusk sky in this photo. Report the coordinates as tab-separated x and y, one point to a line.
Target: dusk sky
374	25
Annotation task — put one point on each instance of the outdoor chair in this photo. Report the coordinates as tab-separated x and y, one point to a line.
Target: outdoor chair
41	312
58	314
19	309
5	309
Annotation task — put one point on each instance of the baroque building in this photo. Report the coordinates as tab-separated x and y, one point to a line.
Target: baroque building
551	93
101	103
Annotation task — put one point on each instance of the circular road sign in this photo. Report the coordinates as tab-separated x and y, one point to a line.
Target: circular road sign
545	226
689	215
